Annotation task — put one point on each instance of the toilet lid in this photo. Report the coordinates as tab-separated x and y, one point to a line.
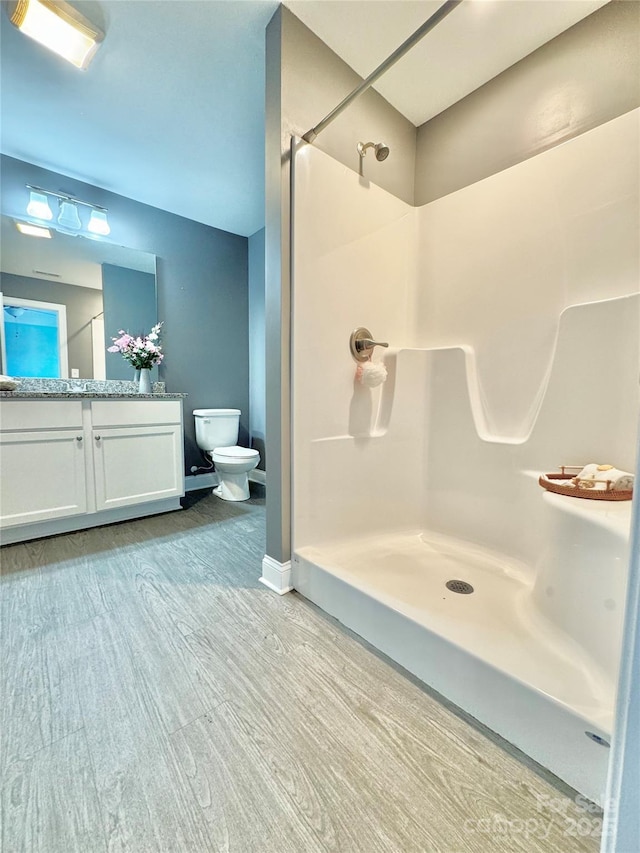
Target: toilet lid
236	452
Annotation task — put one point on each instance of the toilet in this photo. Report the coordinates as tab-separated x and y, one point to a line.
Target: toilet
217	435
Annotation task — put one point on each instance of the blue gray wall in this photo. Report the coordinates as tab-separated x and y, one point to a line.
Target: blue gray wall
257	375
202	283
131	294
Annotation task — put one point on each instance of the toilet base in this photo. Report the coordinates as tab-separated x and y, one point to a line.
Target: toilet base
233	487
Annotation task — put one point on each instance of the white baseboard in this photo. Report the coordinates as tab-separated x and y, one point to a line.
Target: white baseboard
200	481
258	476
276	576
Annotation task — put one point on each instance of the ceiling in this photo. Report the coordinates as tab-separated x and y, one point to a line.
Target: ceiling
171	110
65	258
477	41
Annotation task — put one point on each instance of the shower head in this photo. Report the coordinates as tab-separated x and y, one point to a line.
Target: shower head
381	150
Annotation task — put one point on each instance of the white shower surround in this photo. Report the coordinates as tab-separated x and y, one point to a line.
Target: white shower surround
512	310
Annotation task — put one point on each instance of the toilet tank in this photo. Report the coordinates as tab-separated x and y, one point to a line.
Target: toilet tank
216	427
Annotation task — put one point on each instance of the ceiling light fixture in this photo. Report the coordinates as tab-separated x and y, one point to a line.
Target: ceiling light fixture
69	215
59	27
14	311
33	230
38	206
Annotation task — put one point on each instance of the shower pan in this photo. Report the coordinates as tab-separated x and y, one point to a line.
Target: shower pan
417	517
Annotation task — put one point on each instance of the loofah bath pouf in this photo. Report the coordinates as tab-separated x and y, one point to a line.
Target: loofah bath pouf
371	373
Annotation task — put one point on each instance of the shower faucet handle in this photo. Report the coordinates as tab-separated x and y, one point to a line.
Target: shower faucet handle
361	344
367	343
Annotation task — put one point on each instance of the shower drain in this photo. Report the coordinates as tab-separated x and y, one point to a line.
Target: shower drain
462	587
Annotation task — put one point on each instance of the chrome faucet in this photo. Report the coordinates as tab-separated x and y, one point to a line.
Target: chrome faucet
361	344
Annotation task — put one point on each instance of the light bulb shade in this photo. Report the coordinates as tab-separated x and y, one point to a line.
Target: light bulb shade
68	216
38	206
59	27
98	223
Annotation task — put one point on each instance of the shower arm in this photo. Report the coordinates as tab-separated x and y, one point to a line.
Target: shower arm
397	54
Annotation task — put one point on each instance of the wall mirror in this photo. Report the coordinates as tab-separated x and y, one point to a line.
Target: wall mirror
62	299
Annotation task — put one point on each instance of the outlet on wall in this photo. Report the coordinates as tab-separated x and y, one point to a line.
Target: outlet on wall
75	373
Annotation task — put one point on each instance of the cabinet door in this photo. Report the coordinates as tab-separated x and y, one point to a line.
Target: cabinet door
42	476
137	464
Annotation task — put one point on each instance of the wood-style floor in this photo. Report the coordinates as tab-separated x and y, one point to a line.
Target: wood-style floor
156	697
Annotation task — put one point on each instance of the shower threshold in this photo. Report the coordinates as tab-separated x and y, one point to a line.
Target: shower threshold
490	651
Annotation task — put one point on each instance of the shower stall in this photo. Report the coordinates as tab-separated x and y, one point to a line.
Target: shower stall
512	311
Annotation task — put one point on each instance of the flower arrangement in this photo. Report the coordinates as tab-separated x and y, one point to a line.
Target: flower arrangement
142	352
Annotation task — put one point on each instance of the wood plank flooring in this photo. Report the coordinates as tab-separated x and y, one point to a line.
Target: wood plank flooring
156	697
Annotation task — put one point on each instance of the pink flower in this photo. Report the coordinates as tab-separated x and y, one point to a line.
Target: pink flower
140	352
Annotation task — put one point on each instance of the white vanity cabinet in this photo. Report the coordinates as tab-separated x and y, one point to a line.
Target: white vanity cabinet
42	471
66	464
141	461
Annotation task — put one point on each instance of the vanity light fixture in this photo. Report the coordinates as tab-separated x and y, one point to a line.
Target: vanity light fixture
38	206
59	27
68	219
33	230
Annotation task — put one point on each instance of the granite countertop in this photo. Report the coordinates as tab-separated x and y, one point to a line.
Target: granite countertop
88	395
83	389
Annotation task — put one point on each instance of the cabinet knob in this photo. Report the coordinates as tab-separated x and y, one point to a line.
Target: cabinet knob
98	437
78	438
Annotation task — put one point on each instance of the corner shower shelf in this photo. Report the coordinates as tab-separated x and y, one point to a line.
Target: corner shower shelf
562	487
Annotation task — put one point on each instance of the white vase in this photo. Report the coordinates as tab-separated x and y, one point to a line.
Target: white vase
136	375
145	381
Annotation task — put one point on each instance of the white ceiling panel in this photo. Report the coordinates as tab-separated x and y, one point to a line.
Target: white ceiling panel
477	41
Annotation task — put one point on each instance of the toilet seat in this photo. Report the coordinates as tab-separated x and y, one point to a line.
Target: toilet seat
236	453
